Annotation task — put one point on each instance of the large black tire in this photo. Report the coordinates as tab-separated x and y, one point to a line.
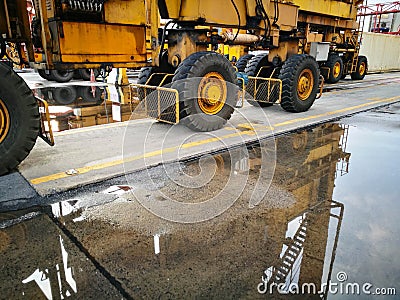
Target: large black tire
193	72
335	65
146	72
22	122
64	95
362	69
87	94
44	75
300	79
253	69
61	76
85	73
155	80
144	75
242	62
256	63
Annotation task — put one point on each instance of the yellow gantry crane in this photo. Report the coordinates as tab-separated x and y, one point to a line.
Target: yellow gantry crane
302	40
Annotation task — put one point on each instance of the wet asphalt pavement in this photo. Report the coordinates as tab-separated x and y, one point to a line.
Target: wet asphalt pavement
321	209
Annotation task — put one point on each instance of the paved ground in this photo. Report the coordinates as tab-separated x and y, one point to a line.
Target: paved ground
101	241
89	155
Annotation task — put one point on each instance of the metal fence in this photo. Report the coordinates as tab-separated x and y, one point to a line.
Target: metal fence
267	90
158	102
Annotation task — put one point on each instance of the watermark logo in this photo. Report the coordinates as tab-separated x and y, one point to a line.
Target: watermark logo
341	276
342	287
207	187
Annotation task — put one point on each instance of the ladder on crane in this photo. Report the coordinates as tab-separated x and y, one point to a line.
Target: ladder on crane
290	256
356	41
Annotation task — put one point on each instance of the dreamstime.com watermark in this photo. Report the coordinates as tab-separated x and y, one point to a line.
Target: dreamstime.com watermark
176	192
342	287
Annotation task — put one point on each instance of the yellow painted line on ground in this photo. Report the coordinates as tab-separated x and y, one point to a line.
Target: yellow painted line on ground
329	113
114	163
188	145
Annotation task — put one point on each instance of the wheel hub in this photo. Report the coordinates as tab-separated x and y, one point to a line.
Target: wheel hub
336	70
362	69
4	121
212	93
305	84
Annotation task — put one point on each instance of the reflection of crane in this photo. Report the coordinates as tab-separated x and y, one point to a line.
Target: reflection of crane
377	10
234	249
343	164
309	174
298	251
303	39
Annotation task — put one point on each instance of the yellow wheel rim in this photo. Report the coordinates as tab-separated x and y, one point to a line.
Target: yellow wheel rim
212	93
305	84
362	68
4	121
336	70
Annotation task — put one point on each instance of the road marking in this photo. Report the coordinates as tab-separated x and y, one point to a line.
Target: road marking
329	113
87	169
114	163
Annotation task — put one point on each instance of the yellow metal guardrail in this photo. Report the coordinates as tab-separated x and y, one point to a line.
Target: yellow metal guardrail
46	131
159	103
266	90
162	103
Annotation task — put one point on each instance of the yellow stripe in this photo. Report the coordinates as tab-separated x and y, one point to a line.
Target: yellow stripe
87	169
336	111
114	163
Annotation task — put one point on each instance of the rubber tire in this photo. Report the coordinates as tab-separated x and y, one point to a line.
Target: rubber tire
144	75
146	72
289	75
332	60
196	66
252	69
256	63
61	76
42	73
85	92
242	62
356	75
85	73
64	95
24	119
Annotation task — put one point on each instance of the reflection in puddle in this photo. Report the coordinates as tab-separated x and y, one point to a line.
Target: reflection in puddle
84	106
66	282
291	237
40	262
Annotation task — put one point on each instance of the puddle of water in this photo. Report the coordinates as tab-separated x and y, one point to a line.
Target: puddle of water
40	262
330	213
84	106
